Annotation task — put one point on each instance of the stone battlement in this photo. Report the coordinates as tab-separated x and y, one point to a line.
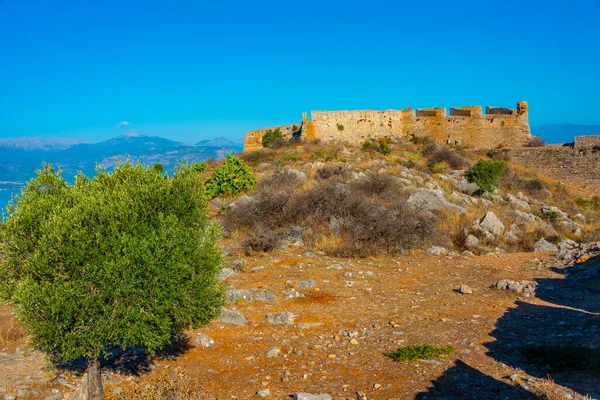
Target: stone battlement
462	126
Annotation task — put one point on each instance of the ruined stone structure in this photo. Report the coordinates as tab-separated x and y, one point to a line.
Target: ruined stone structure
463	125
591	142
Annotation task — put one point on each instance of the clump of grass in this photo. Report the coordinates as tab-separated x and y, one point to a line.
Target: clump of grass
563	358
417	352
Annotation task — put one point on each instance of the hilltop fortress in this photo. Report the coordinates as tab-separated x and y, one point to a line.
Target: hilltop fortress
467	126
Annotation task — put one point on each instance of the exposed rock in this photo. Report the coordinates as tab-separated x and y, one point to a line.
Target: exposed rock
491	224
281	318
436	251
225	274
334	266
238	264
204	340
308	396
464	289
517	203
264	295
273	352
235	295
543	245
467	187
527	288
471	242
552	210
307	284
263	393
301	176
293	294
432	200
525	218
233	317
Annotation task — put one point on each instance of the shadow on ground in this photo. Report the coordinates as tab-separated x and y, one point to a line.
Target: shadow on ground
465	382
572	318
131	360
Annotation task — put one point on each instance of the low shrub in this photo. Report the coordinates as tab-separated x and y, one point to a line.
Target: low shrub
340	127
535	141
486	173
330	171
450	157
271	136
257	156
364	224
374	184
419	352
233	178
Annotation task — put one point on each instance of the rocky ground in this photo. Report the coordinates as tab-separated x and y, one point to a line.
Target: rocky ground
303	322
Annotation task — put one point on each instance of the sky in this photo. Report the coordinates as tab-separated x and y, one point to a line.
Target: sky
191	70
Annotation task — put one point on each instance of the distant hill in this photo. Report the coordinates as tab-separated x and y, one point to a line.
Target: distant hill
21	157
563	132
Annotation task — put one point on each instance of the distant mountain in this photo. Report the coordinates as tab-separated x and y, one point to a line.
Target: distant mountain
221	142
33	143
563	132
21	157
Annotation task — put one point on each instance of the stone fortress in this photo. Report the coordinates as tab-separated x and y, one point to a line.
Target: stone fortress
467	126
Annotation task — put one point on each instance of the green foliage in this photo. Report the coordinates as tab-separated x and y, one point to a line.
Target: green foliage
126	258
340	127
486	173
158	168
384	149
563	358
417	352
199	167
593	203
233	178
271	136
369	145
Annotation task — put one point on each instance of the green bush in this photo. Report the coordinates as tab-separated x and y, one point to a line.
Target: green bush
384	149
418	352
233	178
486	173
340	127
271	136
124	259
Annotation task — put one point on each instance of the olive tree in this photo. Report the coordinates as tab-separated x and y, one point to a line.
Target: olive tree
124	259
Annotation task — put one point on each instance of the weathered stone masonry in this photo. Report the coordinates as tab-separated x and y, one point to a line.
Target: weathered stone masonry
587	142
464	125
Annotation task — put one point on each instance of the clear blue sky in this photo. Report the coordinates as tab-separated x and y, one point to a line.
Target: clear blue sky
194	69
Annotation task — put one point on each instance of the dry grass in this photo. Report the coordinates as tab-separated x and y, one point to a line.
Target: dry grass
175	384
12	335
547	389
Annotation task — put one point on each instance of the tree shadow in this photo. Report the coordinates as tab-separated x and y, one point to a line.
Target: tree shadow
130	360
465	382
571	320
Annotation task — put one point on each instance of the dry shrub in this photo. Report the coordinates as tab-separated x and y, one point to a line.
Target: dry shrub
533	186
361	223
376	184
535	141
257	156
12	335
330	171
438	155
169	385
262	240
281	179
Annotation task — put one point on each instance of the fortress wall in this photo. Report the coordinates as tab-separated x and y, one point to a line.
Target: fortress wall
586	142
253	139
468	126
562	162
357	126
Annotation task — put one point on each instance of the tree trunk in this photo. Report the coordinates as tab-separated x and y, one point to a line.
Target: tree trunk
95	391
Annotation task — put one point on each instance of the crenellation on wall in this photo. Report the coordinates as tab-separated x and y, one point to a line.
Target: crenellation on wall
462	126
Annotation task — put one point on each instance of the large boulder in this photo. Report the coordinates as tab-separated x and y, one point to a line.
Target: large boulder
467	187
543	246
491	224
517	203
432	200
